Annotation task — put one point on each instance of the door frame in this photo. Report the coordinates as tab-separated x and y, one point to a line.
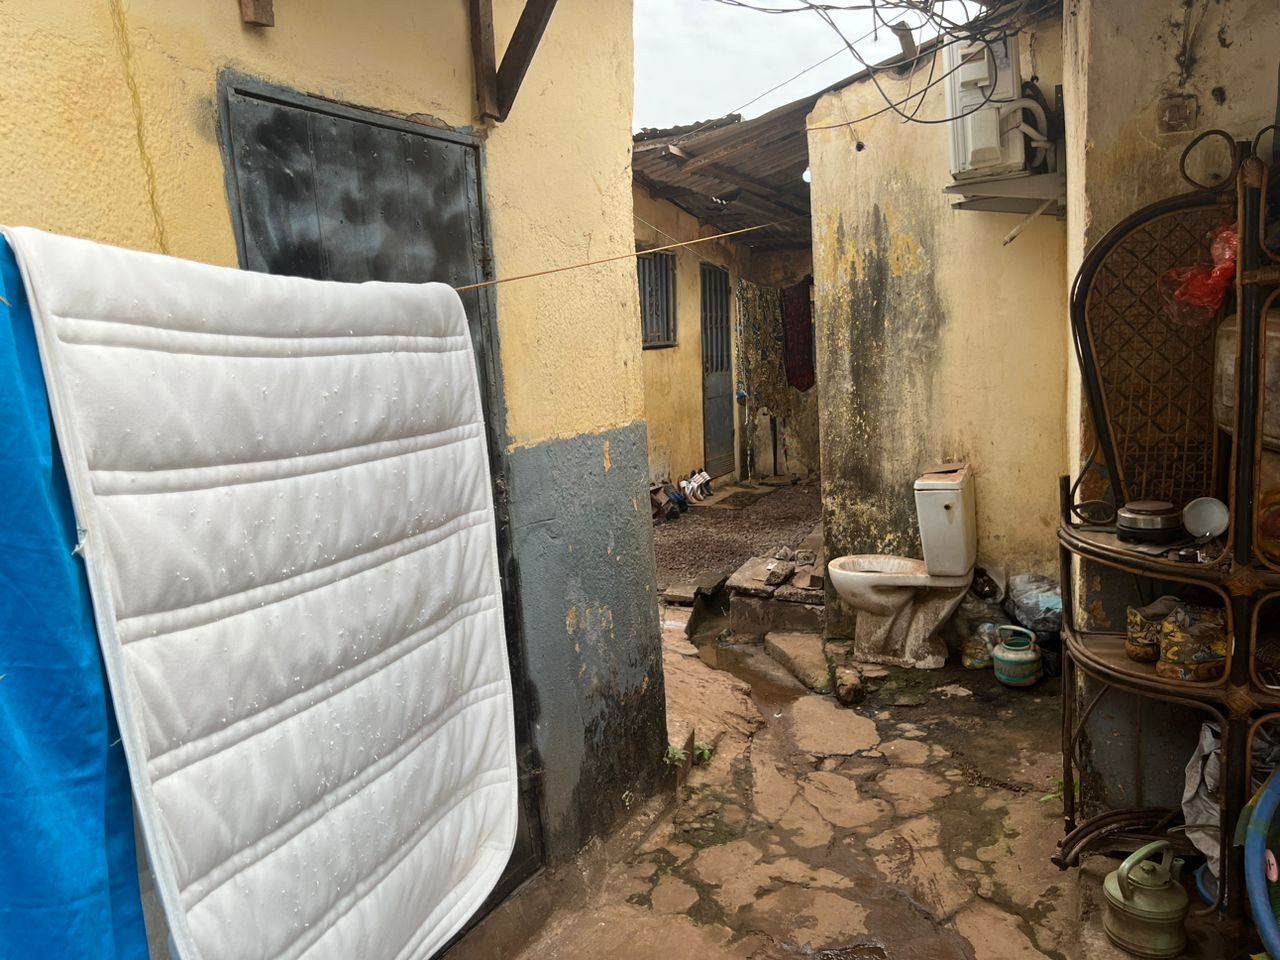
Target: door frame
492	398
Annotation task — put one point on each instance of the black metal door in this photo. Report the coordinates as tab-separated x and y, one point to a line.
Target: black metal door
330	192
717	372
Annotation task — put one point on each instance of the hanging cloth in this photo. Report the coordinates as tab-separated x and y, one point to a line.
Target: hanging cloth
69	887
797	335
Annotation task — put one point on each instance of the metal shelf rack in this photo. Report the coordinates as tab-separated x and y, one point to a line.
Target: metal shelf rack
1156	439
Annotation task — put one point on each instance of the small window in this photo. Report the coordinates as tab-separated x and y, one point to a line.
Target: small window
657	273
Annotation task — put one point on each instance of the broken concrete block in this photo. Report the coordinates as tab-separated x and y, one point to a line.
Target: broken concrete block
848	684
809	577
778	572
710	582
801	654
680	594
751	617
752	578
839	652
793	594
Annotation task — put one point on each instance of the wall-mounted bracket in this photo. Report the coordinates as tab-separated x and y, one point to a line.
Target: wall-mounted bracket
497	86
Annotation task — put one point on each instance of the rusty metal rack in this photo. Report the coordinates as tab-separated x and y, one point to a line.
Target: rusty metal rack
1148	383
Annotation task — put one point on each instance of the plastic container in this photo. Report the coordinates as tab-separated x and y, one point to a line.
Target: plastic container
1224	379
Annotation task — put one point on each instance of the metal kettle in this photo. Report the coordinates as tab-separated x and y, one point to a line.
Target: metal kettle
1146	905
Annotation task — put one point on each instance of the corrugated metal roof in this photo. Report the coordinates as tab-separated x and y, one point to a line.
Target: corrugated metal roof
732	173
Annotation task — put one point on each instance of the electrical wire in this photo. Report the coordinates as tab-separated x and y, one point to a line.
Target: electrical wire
992	24
706	123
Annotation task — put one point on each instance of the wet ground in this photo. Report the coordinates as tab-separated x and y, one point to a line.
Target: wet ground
917	826
721	539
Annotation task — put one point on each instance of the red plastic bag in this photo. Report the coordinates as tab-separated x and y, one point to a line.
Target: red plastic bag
1192	295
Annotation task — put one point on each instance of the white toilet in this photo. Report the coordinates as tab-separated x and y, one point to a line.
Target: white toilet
902	602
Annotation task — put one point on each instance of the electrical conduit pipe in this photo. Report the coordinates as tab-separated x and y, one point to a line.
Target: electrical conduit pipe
1039	137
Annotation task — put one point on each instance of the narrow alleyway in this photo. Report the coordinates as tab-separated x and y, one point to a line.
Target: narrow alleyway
917	826
718	539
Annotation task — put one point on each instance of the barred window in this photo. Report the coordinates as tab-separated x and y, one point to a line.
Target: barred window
657	274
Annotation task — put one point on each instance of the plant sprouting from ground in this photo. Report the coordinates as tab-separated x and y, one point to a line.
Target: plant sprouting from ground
675	756
702	751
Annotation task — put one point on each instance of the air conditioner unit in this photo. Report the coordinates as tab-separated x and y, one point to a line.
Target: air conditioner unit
981	78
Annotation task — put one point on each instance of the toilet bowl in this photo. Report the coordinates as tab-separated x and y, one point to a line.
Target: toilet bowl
901	602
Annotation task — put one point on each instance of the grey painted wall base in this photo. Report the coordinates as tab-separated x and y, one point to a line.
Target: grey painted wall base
583	542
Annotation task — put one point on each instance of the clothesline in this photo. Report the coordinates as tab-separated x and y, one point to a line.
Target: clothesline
626	256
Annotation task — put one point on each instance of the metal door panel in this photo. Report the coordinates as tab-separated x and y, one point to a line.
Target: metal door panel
717	372
325	191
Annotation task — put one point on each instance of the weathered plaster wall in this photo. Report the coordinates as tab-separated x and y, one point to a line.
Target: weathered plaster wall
798	429
109	131
1120	61
935	342
673	375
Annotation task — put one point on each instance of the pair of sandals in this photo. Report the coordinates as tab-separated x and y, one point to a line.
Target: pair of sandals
697	486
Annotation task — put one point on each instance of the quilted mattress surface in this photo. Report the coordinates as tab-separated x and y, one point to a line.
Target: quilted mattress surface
283	494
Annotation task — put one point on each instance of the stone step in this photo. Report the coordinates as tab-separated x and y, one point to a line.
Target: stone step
802	656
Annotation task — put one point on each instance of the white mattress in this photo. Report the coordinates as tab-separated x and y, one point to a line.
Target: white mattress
283	493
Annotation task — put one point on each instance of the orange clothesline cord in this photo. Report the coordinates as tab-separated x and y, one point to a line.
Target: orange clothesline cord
624	256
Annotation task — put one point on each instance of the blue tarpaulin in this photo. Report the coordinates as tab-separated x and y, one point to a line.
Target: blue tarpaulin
68	873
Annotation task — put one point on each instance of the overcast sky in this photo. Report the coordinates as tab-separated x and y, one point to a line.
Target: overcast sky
698	59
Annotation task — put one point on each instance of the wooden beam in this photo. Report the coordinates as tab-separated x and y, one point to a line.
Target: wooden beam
258	13
483	59
519	54
736	178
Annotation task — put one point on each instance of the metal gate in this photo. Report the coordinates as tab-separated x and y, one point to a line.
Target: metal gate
717	372
330	192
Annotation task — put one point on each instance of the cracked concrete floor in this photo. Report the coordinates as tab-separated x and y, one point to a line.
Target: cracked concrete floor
907	832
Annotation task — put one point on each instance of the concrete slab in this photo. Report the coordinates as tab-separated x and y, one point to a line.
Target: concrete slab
680	594
822	728
801	654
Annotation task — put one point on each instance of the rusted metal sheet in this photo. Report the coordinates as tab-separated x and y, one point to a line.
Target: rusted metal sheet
735	173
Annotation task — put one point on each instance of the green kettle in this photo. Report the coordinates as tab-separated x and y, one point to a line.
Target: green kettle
1146	905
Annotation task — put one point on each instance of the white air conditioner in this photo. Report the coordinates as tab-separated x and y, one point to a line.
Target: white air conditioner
983	79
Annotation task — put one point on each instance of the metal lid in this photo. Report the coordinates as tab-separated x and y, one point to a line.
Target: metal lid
1148	506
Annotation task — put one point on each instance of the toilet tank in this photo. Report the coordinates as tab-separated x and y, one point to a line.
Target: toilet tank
947	518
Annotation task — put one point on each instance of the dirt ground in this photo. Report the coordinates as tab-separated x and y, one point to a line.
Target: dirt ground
917	826
714	539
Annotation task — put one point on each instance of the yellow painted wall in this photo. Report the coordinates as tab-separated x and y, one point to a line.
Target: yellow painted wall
109	131
673	375
962	341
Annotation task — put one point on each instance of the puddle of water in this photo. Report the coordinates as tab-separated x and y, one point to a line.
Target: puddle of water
767	688
771	686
